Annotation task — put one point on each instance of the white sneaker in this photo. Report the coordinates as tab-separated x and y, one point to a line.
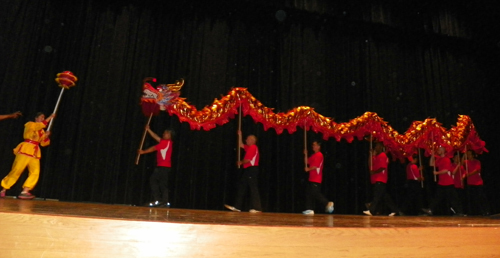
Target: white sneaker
392	214
308	212
229	207
367	212
254	211
329	207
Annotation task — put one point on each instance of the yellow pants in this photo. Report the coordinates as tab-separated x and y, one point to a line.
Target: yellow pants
20	163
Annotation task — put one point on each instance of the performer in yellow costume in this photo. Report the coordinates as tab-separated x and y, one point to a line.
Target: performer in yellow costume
28	154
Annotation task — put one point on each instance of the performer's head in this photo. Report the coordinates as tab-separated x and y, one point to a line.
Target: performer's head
413	159
39	117
471	155
168	134
316	146
441	151
251	139
456	158
379	147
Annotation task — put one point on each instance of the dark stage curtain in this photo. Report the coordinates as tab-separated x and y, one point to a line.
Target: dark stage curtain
404	62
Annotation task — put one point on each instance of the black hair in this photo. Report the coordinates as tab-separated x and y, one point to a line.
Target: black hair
319	142
39	114
171	131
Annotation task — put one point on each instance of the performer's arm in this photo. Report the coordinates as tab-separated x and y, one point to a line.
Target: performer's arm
248	149
444	171
312	163
474	172
244	161
153	134
421	177
307	169
306	161
9	116
432	160
148	150
45	140
240	140
41	125
47	120
373	172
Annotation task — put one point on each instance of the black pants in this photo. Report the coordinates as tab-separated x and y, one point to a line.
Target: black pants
249	179
448	193
313	192
414	197
477	197
381	196
159	183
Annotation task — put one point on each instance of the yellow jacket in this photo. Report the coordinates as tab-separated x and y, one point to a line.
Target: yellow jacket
34	135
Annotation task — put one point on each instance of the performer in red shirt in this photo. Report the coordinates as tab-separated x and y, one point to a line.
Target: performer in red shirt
475	182
378	178
414	194
159	179
314	166
446	186
250	175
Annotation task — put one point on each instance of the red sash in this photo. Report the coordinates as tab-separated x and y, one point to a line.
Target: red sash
33	142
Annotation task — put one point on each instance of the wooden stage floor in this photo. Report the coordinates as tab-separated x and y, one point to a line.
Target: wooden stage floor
40	228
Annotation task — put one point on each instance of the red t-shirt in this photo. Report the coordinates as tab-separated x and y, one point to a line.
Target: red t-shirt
443	163
316	160
412	172
164	153
379	161
252	154
457	177
476	178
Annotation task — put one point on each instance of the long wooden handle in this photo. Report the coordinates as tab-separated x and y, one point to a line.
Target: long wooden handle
305	143
239	137
433	149
143	138
420	163
466	162
370	152
55	109
460	169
